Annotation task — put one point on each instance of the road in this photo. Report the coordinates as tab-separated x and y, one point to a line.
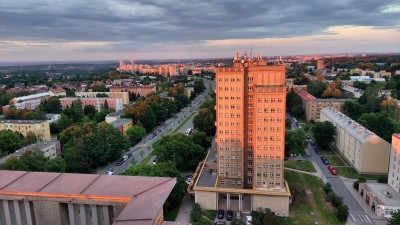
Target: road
142	149
356	213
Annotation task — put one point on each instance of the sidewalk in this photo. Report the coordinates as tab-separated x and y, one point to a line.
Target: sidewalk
349	185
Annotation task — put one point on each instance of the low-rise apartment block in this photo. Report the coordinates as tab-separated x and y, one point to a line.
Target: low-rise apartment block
50	149
122	124
122	95
40	96
57	92
29	105
313	106
84	199
114	116
40	128
141	90
98	103
363	149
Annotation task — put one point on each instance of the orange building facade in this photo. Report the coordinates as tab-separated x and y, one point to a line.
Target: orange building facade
250	140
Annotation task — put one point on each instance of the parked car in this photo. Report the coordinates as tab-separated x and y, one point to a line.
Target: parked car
120	162
248	220
110	171
221	214
151	137
229	215
238	215
330	167
124	158
312	143
189	179
324	160
220	223
129	154
333	172
154	161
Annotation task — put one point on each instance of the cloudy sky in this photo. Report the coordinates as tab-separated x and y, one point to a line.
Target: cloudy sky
51	30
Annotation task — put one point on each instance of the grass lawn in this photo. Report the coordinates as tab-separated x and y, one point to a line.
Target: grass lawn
308	197
335	160
300	165
350	172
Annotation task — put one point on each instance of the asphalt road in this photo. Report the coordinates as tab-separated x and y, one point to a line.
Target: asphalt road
143	148
356	213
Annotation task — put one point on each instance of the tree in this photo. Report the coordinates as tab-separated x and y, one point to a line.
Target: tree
316	88
101	115
89	111
264	217
162	170
9	142
395	220
52	105
352	109
342	213
237	221
30	138
135	134
179	149
295	141
324	133
201	139
195	214
205	121
382	125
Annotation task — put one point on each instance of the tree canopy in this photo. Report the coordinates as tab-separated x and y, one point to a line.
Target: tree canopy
380	124
179	149
395	220
9	142
295	141
135	134
324	133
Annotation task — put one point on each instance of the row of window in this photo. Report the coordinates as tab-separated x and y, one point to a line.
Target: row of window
229	98
271	138
232	149
226	181
271	183
270	174
266	110
233	174
229	89
231	165
229	115
230	157
229	79
227	106
267	100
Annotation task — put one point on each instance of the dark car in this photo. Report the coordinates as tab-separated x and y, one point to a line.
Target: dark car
325	160
120	162
220	223
129	154
221	214
229	215
312	143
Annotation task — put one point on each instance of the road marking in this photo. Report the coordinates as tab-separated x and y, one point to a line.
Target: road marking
354	219
361	218
369	221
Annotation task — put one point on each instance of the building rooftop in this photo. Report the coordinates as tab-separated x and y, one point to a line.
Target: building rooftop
23	121
33	147
332	100
208	176
119	122
304	94
384	193
50	115
355	129
144	196
119	113
24	98
57	90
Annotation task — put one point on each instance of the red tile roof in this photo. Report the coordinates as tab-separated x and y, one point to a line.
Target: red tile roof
58	90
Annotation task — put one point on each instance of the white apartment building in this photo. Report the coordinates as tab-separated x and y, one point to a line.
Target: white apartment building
394	165
363	149
122	95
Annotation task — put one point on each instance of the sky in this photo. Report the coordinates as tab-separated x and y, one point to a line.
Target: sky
60	30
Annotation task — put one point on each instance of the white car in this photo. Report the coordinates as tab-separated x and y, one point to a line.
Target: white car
125	157
248	220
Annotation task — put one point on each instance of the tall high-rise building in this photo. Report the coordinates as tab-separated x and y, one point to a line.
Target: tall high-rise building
250	137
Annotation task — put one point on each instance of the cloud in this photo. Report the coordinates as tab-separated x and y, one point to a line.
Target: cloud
182	25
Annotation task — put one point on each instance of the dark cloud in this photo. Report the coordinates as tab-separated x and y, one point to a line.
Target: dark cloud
157	23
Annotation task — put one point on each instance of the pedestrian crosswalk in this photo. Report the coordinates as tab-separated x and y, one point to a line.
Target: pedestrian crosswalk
361	219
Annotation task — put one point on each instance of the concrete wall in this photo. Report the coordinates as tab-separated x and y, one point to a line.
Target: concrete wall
278	204
47	212
207	200
375	157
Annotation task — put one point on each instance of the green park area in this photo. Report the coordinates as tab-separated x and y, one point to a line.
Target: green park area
308	203
306	166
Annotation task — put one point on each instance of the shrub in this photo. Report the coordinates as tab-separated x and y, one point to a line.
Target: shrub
356	184
342	213
195	214
362	179
328	188
382	179
335	200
